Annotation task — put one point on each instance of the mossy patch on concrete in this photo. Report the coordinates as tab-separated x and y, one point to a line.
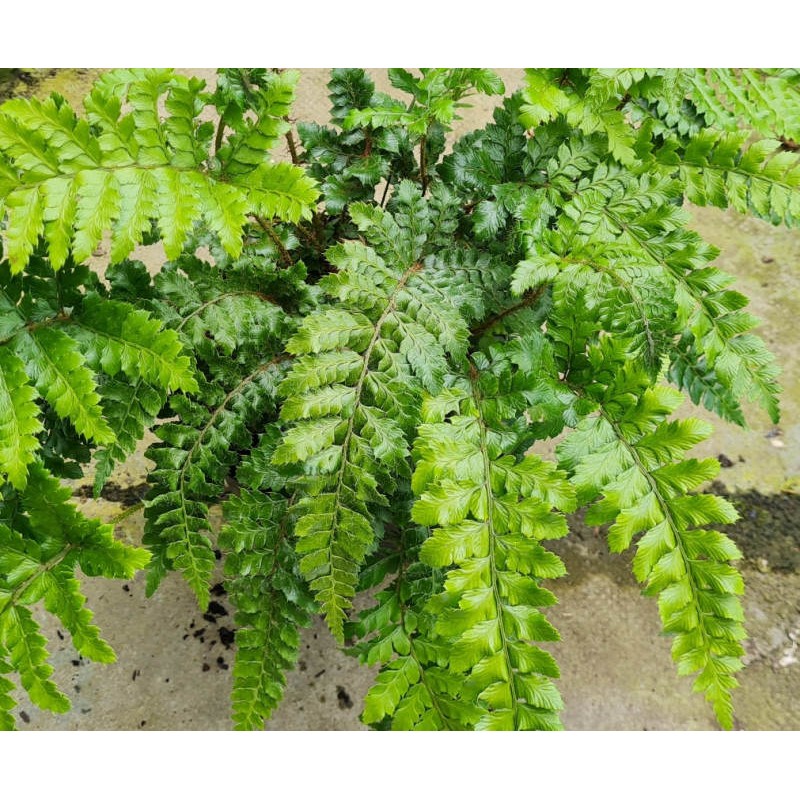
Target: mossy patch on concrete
72	83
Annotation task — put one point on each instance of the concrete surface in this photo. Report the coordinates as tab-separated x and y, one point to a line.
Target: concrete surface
172	670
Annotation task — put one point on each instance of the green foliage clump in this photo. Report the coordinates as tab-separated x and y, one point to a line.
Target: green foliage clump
355	351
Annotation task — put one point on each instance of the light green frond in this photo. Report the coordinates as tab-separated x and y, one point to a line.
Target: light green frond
645	484
487	510
19	421
58	370
73	179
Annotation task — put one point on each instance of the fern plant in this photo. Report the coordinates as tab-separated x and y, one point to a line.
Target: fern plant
355	351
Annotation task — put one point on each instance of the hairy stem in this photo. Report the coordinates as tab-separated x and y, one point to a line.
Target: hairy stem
124	514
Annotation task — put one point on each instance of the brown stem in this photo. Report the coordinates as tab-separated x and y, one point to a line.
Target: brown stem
319	229
386	189
313	236
220	134
292	145
266	225
527	300
307	236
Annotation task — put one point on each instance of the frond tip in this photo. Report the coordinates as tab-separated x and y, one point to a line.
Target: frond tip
632	455
38	560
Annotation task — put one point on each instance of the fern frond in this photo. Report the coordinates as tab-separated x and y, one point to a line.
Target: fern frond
48	539
412	691
720	332
280	190
269	97
761	99
19	421
633	220
619	292
119	338
131	409
6	700
489	508
73	343
596	111
271	602
353	386
192	462
349	164
721	169
633	456
693	375
70	181
437	93
58	370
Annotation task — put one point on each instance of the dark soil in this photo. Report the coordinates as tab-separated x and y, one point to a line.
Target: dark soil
768	528
343	698
126	496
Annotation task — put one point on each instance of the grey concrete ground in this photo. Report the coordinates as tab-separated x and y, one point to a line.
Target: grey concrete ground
172	671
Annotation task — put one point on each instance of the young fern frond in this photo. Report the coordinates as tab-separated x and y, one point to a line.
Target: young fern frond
634	457
490	507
